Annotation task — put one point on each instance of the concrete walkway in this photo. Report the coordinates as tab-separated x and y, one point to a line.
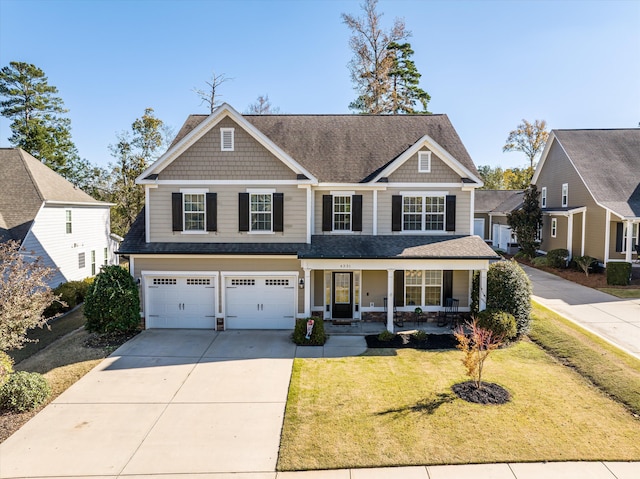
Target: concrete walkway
614	319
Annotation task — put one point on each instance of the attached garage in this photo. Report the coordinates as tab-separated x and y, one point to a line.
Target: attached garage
180	300
260	301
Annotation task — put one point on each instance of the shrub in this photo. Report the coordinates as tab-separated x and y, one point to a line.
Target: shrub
112	303
386	336
540	261
420	336
318	336
70	295
24	391
558	258
500	323
476	346
584	263
6	367
618	273
509	290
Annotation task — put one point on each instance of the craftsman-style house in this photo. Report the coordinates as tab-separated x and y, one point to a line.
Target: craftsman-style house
589	184
251	221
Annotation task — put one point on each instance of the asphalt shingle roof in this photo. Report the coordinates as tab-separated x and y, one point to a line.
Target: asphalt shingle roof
25	183
609	163
497	201
350	148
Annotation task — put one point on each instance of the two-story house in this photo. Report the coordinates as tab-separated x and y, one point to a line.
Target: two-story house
251	221
52	219
589	184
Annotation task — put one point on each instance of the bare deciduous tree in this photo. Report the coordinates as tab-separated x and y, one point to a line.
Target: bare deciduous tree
24	295
262	106
476	346
211	95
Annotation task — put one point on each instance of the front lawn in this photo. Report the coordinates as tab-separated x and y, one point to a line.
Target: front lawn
624	293
395	407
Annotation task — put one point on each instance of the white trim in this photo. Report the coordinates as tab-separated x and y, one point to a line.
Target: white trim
309	213
223	132
216	256
422	154
147	215
78	203
375	213
427	142
342	193
428	186
224	182
424	193
194	191
472	205
260	191
382	264
584	231
182	274
607	235
223	111
570	235
346	186
554	227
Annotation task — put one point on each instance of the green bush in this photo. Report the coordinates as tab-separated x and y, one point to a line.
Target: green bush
540	261
557	258
618	273
24	391
318	336
420	336
583	263
71	294
112	303
500	322
386	336
6	367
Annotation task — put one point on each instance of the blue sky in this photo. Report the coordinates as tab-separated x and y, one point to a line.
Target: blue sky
486	64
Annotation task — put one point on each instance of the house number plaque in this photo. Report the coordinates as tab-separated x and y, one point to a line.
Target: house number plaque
345	266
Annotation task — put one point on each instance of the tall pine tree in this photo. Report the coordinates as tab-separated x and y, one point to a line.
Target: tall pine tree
404	78
527	221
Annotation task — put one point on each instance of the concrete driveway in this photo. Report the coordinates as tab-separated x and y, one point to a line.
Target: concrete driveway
168	401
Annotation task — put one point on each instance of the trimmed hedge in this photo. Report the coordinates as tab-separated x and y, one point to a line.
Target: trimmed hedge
24	391
500	322
112	303
318	336
71	294
618	273
558	258
540	261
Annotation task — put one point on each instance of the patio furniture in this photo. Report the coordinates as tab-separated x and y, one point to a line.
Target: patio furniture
450	312
397	318
418	316
638	253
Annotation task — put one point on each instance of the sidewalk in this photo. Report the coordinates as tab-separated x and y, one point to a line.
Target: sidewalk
615	320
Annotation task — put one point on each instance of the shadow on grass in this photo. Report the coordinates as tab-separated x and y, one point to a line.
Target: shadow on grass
426	406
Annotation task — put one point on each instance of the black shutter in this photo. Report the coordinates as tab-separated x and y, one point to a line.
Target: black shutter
447	284
212	211
356	208
176	211
396	213
278	212
398	287
450	208
327	212
619	236
243	211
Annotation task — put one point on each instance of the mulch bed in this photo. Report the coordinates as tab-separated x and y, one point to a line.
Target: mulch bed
433	341
490	393
108	340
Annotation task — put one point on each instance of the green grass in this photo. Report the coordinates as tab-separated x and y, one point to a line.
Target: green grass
45	336
612	370
622	292
397	409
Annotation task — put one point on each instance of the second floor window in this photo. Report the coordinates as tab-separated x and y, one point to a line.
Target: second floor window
260	212
554	227
342	213
194	212
543	197
423	213
565	195
68	222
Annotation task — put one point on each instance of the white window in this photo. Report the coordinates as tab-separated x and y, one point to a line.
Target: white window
423	213
634	237
554	227
193	211
565	194
93	263
543	197
106	256
260	212
423	288
81	260
342	213
69	227
424	162
226	139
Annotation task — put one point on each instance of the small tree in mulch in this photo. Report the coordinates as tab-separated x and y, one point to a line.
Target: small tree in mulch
477	343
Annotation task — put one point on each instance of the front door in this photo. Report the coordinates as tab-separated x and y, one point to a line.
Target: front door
342	295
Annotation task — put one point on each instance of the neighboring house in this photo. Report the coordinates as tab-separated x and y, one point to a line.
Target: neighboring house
589	184
253	220
53	219
490	217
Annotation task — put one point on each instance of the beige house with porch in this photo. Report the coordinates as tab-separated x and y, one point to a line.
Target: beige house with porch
252	221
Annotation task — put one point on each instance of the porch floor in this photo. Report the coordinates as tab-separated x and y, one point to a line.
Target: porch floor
363	328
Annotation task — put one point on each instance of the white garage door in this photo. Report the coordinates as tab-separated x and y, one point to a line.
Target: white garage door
262	302
180	302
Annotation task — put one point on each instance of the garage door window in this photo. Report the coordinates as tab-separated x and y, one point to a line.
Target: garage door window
198	281
243	282
163	281
276	282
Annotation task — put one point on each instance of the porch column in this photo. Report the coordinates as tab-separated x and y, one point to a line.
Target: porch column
570	234
307	292
584	230
607	236
629	245
390	300
482	291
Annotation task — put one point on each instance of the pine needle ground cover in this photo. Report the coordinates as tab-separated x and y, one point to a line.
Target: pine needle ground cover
396	407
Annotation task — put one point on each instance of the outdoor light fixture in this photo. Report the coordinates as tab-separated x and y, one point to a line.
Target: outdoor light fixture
301	283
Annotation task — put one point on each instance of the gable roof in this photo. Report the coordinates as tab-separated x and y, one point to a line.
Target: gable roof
497	201
25	184
608	161
350	148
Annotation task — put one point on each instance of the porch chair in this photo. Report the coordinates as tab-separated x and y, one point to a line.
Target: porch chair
397	317
449	315
418	316
637	253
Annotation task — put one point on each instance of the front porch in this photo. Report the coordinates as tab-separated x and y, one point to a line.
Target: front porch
364	328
